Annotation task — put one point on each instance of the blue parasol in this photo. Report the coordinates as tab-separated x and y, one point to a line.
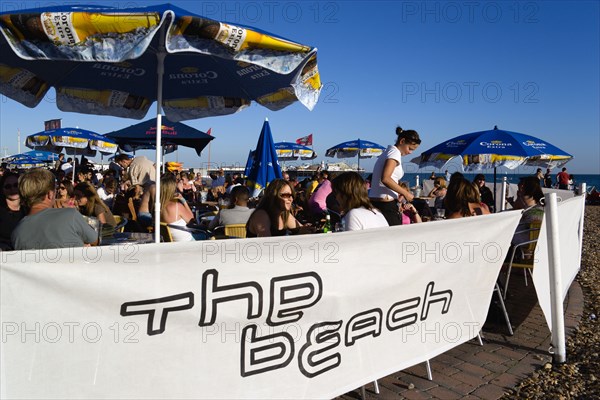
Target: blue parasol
494	148
288	151
75	141
44	156
263	165
143	136
355	148
118	61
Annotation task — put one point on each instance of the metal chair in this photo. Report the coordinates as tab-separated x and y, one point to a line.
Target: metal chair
522	254
167	237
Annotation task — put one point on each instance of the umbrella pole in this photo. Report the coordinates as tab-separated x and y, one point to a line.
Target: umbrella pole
495	205
160	70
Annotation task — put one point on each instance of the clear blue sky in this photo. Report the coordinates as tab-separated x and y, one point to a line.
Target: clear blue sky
441	68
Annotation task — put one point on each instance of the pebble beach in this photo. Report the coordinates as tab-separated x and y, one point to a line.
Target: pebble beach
578	377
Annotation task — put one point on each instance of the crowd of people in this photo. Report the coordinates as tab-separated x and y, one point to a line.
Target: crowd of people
47	208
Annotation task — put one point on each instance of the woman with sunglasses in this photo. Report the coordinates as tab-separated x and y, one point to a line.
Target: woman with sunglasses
91	205
64	195
273	214
11	211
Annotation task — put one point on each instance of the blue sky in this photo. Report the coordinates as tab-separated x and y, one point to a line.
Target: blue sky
441	68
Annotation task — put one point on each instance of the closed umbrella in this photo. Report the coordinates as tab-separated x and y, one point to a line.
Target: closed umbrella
355	148
118	61
264	166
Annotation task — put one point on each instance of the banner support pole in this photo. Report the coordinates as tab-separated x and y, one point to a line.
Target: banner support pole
556	298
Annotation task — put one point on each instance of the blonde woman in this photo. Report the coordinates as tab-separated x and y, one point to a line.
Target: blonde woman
439	191
174	209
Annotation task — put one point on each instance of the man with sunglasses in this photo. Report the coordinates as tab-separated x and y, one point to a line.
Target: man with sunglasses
46	227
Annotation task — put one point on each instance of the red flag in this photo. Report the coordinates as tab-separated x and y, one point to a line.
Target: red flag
208	131
305	141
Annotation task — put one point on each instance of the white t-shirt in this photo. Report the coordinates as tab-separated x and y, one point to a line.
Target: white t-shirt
378	189
361	218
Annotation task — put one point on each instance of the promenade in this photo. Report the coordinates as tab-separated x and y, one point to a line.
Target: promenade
472	371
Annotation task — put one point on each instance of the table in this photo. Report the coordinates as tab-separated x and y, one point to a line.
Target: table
127	238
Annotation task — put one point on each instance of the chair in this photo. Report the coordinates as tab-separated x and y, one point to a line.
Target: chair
165	233
235	230
167	237
521	255
121	222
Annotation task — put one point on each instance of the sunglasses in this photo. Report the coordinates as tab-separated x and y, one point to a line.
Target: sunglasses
62	188
8	186
286	195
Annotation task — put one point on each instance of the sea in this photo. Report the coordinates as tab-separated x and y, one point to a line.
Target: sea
591	180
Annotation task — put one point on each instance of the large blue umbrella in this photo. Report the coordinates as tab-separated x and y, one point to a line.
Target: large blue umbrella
355	148
43	156
143	136
118	61
26	162
494	148
289	151
75	141
264	166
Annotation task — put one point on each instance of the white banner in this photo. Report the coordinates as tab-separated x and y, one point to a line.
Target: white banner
570	216
311	316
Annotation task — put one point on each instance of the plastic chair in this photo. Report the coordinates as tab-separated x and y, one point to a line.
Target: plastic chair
121	222
235	230
522	254
165	233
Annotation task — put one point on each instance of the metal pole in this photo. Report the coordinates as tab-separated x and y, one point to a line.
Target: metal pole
556	298
495	205
160	70
582	192
503	195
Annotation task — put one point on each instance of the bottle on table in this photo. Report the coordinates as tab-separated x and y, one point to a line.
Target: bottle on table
327	225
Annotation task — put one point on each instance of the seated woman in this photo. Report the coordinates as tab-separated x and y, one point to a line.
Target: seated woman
409	213
175	211
439	192
64	195
186	188
530	191
351	193
463	200
91	205
273	214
